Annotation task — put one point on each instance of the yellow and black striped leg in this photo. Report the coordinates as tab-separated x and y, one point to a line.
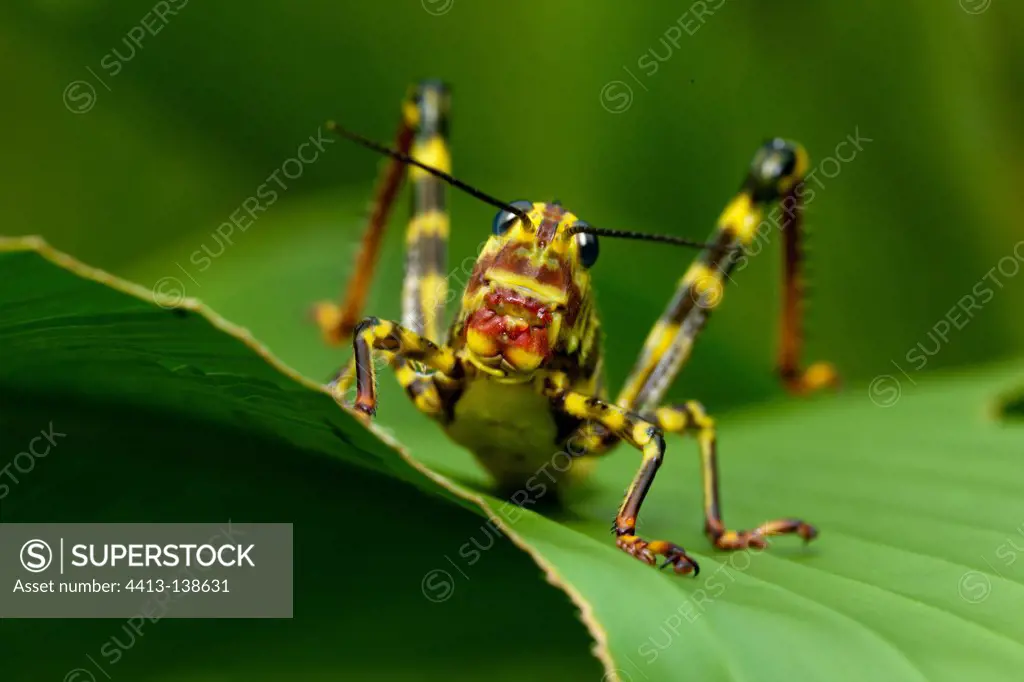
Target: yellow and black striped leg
345	377
819	374
775	175
692	418
430	393
699	292
373	334
425	289
647	438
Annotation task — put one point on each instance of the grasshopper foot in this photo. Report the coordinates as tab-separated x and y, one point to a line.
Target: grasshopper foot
338	392
758	538
334	328
819	376
645	551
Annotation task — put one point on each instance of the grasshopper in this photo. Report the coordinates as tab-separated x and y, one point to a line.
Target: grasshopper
519	374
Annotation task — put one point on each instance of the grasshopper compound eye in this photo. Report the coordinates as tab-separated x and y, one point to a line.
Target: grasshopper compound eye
587	244
505	219
775	165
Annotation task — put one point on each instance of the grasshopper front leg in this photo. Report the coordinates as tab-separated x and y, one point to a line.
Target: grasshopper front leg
646	437
373	334
691	417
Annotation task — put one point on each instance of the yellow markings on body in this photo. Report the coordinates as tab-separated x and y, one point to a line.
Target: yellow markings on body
406	374
803	161
803	164
535	215
700	417
428	224
706	440
432	293
696	273
741	216
410	114
729	537
409	338
818	376
328	316
545	293
431	288
426	401
632	388
614	421
481	344
522	359
706	285
665	333
493	371
659	341
432	152
640	434
553	331
576	404
672	420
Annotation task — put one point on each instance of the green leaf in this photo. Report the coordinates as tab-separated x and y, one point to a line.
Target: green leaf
179	416
916	574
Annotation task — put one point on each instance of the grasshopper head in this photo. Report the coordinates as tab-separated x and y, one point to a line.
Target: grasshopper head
524	301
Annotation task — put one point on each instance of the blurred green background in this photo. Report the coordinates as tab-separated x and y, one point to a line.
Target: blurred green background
628	120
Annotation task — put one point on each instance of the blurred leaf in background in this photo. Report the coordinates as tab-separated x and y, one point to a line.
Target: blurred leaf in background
635	117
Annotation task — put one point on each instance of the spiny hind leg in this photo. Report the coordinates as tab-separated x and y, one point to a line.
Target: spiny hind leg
691	418
337	321
794	377
616	423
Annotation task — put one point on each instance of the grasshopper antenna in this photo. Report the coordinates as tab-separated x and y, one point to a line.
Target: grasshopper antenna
628	234
436	172
498	203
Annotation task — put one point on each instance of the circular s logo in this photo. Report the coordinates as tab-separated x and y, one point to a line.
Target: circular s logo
437	585
884	390
36	556
616	97
79	97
